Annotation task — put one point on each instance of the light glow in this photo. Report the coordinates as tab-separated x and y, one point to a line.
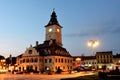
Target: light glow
50	30
58	30
93	44
78	59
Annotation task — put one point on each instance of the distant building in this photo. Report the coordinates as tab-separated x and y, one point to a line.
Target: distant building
47	56
2	57
11	63
77	61
2	62
105	58
116	60
90	61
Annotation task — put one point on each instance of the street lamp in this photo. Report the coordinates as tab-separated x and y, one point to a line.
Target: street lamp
93	44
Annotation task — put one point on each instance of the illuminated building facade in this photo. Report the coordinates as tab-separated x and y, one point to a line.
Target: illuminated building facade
2	63
105	58
49	55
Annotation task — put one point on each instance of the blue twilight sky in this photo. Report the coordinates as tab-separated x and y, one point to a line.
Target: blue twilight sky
22	23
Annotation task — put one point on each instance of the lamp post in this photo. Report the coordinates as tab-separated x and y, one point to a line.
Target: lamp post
93	44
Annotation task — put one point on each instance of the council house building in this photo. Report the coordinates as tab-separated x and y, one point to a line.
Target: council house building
50	54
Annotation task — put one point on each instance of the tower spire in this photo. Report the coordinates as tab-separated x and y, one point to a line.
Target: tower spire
53	9
53	29
53	19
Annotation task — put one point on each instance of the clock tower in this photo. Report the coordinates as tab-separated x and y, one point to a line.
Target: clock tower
54	30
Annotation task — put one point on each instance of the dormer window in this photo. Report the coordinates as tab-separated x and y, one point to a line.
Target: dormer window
30	51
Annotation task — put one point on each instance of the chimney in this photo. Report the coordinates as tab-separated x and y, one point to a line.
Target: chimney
50	42
37	43
10	58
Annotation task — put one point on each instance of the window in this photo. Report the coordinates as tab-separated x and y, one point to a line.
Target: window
36	60
68	67
30	51
35	68
45	67
56	60
50	60
59	60
23	60
20	61
98	57
68	60
45	60
62	60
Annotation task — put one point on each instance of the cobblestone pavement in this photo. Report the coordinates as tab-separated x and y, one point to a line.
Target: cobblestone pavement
9	76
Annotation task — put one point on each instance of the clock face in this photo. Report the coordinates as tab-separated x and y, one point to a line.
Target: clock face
50	30
58	30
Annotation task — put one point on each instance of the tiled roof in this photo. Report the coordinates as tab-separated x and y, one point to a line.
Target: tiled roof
84	57
50	47
89	57
104	52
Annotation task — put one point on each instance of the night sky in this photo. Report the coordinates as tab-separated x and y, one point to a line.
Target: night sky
22	23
